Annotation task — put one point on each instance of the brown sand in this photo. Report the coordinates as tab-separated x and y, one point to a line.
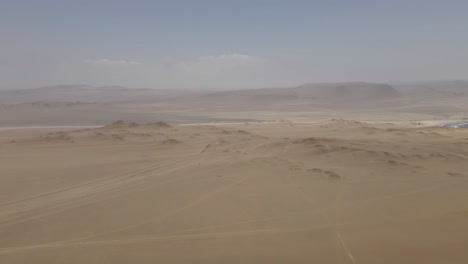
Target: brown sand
333	192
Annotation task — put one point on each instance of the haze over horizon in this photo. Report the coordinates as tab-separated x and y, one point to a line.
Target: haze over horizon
229	44
240	131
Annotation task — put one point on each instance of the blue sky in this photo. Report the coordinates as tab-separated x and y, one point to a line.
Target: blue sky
230	44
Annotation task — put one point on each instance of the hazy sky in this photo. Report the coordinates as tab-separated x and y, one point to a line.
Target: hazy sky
222	44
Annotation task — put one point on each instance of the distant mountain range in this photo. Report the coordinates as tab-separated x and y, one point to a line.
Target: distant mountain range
346	92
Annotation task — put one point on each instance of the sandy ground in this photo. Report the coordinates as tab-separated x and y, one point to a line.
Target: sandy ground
339	191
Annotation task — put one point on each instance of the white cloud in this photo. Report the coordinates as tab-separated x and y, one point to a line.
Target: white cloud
225	71
213	65
232	58
111	62
222	71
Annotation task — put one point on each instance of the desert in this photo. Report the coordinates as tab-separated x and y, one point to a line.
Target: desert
233	131
332	191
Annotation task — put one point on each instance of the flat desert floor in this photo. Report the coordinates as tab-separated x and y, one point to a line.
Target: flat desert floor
332	192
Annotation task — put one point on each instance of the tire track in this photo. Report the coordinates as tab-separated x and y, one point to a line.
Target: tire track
82	190
339	221
162	238
141	183
113	186
336	225
184	207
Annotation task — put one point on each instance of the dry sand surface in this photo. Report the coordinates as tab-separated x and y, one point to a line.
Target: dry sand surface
339	191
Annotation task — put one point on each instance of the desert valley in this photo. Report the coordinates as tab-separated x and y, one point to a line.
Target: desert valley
319	173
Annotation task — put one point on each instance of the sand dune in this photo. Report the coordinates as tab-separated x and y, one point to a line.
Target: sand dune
329	192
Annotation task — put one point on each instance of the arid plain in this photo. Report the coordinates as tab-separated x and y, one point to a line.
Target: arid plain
364	186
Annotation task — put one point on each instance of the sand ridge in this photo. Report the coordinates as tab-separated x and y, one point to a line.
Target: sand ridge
327	192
